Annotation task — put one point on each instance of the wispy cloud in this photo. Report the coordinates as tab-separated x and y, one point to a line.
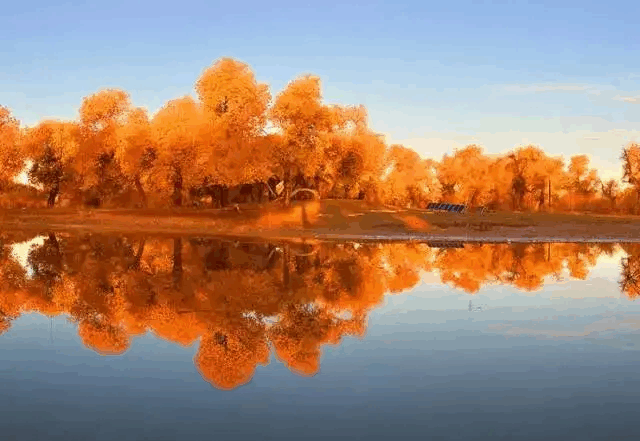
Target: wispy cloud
552	87
591	89
605	326
627	99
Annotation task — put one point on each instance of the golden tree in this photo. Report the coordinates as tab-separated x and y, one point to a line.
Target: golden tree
228	356
302	331
181	154
12	289
233	99
101	116
235	110
610	191
52	147
104	338
408	180
631	169
501	177
354	157
532	169
304	123
464	176
581	181
11	156
630	278
136	150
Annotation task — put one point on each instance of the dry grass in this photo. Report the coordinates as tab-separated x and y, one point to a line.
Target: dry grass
328	217
19	196
302	214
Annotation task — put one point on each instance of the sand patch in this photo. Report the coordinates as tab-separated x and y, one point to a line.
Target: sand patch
415	223
299	215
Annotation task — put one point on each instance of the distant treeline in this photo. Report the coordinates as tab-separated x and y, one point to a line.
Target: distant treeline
235	137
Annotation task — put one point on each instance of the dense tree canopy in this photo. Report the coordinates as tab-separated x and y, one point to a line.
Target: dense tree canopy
178	130
137	150
11	156
53	147
233	135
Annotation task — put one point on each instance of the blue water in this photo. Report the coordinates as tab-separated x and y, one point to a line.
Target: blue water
559	363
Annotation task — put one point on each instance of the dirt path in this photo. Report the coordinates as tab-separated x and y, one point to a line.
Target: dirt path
330	220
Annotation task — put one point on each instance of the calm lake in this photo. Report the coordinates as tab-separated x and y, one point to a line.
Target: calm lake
145	338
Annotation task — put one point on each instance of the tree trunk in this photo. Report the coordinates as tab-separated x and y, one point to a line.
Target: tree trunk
214	191
54	258
49	281
570	200
286	277
143	195
177	262
305	217
53	194
271	185
474	196
224	196
287	189
177	186
261	188
54	242
139	253
135	265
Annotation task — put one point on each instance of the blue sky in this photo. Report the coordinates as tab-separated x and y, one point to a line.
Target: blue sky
434	75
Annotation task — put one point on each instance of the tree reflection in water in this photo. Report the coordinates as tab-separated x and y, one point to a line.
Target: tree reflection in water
238	301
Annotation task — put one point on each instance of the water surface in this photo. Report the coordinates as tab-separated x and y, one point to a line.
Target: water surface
135	338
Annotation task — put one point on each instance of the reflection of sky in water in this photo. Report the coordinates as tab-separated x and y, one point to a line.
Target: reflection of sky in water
556	363
20	252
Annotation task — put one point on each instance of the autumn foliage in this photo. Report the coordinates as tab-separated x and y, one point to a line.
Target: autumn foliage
234	134
11	158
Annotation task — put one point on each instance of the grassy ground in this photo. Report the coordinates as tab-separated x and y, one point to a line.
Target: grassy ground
329	219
